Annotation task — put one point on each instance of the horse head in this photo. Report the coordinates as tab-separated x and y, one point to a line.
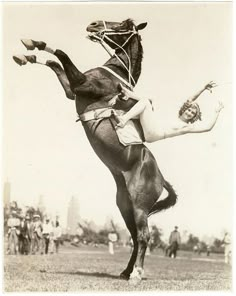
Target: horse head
114	34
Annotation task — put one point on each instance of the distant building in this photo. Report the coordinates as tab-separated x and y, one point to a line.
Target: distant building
41	205
7	193
73	216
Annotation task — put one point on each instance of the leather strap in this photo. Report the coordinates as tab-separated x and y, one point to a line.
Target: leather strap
96	114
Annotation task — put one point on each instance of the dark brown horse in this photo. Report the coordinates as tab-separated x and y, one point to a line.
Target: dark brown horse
134	168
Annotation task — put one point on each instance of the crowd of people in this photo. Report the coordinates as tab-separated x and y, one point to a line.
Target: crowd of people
32	235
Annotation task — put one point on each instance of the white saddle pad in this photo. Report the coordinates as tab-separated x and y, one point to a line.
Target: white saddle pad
128	135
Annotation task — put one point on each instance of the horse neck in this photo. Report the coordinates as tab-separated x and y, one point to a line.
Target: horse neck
134	51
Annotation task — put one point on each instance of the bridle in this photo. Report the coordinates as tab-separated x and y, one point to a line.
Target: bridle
104	35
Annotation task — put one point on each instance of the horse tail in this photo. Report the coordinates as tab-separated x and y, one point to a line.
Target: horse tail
165	203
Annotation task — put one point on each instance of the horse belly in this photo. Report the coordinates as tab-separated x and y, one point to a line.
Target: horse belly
138	166
103	138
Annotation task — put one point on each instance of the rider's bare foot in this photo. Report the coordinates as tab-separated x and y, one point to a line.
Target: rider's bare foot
32	44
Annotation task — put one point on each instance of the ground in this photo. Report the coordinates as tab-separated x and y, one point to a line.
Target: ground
94	269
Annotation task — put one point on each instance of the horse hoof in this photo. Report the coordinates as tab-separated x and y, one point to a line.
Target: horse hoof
31	44
136	276
28	43
20	60
124	276
134	281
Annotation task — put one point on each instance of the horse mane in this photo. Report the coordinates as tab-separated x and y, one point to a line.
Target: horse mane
126	24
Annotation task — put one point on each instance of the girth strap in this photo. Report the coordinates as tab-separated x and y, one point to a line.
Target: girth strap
96	114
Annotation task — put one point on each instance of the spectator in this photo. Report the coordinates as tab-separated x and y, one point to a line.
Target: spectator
227	245
57	236
13	224
174	242
47	229
23	236
37	238
208	250
112	237
51	239
29	227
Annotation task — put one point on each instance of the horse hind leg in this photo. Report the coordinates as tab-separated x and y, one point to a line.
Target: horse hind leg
125	206
143	237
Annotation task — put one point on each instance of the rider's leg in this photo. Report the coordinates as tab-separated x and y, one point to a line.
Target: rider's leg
143	108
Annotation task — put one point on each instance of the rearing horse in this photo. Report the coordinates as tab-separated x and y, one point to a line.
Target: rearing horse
138	179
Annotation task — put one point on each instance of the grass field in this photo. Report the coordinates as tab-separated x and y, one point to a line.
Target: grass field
94	269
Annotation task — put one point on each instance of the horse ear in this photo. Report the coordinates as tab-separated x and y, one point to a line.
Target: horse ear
141	26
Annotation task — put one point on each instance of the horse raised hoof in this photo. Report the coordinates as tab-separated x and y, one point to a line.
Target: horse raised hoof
31	44
20	60
23	60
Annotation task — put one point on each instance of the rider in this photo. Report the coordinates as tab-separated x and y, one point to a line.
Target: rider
188	114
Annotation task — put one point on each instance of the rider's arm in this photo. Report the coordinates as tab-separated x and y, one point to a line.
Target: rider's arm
208	86
197	127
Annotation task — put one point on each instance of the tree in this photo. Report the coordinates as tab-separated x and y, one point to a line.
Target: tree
155	237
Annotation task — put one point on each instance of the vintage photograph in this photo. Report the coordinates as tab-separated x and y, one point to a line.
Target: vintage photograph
117	147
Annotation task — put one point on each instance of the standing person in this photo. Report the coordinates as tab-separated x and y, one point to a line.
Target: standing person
57	236
13	224
47	229
174	242
29	232
227	245
37	236
112	238
23	239
51	239
188	114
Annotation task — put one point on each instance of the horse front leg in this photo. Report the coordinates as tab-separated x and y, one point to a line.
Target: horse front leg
56	67
75	77
61	75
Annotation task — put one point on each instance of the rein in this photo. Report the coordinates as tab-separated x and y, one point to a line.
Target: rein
104	34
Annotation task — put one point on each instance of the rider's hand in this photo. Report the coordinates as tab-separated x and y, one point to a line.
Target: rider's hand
219	107
210	85
112	101
124	92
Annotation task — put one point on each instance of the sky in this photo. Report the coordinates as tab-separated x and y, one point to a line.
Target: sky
45	152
